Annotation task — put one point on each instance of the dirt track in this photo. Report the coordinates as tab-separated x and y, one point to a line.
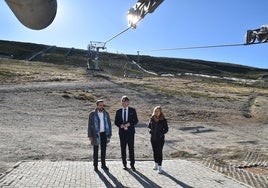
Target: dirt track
49	121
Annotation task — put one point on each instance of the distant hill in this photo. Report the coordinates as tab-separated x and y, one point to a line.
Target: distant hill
119	64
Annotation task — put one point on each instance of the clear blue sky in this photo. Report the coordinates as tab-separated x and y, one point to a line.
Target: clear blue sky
174	24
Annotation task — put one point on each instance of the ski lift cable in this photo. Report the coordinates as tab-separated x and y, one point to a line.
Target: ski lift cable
196	47
192	47
116	35
181	48
184	48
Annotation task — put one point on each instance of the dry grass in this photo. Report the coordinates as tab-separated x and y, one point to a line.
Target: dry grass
15	71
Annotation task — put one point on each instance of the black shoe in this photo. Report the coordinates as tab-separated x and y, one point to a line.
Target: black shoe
125	167
104	167
133	168
96	169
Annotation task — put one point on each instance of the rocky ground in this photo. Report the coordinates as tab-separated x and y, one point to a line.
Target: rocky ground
45	119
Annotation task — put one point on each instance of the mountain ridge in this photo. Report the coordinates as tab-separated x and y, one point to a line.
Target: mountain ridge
158	65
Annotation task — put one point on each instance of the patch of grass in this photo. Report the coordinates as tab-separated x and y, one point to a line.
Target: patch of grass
24	71
7	74
102	76
85	96
181	154
179	92
66	96
79	95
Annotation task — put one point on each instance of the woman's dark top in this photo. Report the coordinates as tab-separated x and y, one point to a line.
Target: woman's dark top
158	129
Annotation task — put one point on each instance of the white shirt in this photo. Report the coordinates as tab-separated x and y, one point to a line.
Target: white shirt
123	109
100	114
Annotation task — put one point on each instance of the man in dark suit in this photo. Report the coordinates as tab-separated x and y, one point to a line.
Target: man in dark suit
126	119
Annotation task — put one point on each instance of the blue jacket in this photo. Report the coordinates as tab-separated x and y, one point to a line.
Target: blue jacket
93	130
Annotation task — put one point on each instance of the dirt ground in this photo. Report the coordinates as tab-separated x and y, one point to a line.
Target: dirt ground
48	120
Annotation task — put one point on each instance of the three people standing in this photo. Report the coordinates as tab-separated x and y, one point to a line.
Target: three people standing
99	133
126	120
158	127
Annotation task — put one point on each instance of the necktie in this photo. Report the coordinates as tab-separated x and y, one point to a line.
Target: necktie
125	115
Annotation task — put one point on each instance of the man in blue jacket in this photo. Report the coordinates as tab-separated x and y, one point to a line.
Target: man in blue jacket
99	133
126	119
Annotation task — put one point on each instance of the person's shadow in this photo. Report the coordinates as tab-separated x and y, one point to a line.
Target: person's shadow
114	179
176	180
143	180
104	179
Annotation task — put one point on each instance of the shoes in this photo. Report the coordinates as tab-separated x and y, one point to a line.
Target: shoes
105	167
133	168
160	170
155	166
125	167
96	169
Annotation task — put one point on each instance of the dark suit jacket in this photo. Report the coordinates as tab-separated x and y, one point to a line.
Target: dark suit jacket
132	119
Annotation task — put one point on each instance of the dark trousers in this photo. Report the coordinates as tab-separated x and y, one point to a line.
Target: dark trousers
103	144
127	139
157	146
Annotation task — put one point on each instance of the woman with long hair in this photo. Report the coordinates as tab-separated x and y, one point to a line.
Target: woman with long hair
158	127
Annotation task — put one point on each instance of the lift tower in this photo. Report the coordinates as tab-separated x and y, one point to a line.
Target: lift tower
93	51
